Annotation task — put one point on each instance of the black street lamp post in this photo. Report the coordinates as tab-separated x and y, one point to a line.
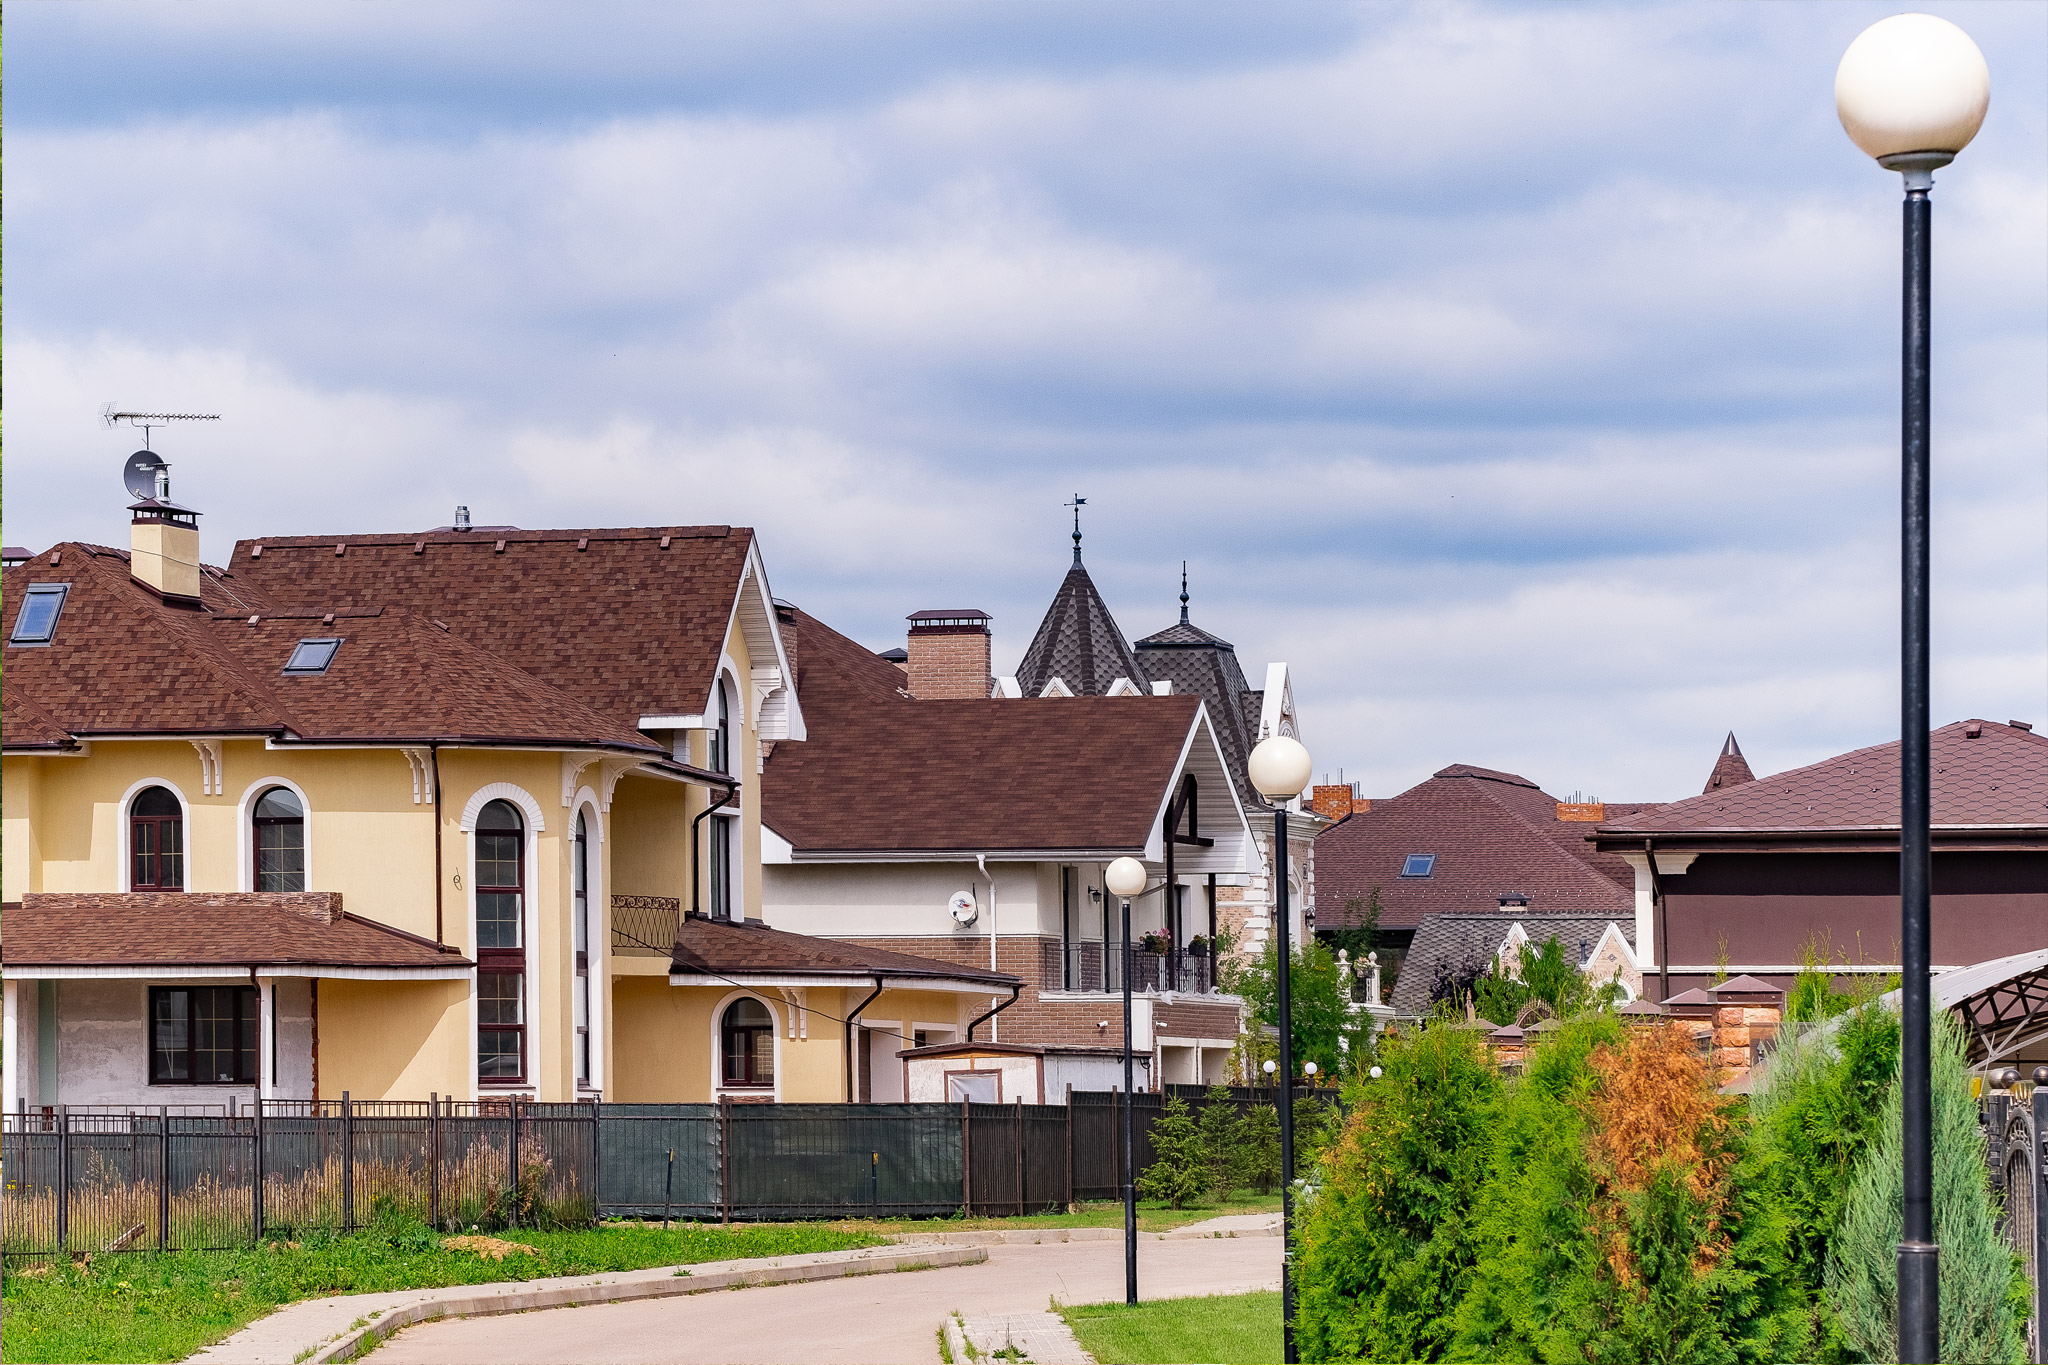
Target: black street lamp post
1911	92
1279	767
1125	878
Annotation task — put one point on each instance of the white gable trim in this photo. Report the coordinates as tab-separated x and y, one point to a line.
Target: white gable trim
1056	687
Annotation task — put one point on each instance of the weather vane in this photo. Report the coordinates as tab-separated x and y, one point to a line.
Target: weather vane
1077	504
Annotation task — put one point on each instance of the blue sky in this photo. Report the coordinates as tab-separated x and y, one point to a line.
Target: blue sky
1524	376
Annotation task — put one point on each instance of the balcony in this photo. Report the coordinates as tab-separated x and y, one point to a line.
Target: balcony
1099	968
645	926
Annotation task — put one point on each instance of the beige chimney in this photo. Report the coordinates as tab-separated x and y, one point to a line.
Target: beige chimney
163	545
949	655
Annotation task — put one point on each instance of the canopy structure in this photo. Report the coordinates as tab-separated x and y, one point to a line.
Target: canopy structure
2002	1003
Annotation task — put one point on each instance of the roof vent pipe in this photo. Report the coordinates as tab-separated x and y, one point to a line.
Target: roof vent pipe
462	518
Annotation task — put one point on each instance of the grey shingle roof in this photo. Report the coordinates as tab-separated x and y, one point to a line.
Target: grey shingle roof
1461	942
1079	643
1196	662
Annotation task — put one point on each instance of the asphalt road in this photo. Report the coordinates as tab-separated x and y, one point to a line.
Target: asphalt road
877	1318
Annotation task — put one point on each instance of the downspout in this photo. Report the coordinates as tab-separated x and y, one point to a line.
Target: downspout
1660	923
434	758
849	1035
995	1031
696	845
1014	991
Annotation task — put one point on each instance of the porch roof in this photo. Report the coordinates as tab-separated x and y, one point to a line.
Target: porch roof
747	952
142	933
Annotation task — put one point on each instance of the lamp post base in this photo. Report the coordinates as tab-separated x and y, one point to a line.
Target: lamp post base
1919	1303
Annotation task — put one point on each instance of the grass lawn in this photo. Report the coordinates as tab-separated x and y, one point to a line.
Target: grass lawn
1234	1329
1153	1216
137	1306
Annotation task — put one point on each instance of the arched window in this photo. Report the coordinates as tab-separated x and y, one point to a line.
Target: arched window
747	1037
579	886
721	730
500	944
156	841
280	830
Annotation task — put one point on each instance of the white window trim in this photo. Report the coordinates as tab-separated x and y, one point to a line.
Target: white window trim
588	806
718	1085
529	930
245	816
126	870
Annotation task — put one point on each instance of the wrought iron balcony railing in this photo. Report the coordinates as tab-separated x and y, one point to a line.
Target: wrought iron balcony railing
645	926
1098	967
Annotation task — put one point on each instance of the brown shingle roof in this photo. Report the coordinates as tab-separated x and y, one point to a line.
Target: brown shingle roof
1997	779
1493	833
750	948
881	773
205	929
1731	769
123	662
631	622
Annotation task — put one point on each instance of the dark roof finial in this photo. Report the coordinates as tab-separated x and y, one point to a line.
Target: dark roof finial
1183	592
1077	504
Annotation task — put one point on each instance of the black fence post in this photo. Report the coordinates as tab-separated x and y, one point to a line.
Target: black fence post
63	1177
514	1155
163	1184
596	1171
1070	1144
2037	1168
256	1174
348	1164
668	1190
725	1158
434	1159
875	1184
966	1163
1020	1156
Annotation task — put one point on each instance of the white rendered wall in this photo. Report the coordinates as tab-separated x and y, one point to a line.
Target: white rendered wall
103	1047
902	900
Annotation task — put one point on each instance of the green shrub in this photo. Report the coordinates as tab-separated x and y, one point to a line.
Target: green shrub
1816	1107
1218	1126
1317	1124
1982	1289
1180	1168
1386	1245
1257	1139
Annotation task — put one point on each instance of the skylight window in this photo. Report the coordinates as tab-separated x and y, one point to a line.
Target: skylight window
312	657
36	622
1418	865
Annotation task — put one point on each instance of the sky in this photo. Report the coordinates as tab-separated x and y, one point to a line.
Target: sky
1524	376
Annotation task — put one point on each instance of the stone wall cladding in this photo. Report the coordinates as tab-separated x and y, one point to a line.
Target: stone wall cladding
949	665
1191	1020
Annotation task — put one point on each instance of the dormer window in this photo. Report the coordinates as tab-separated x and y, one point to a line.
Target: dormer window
36	622
1418	865
310	658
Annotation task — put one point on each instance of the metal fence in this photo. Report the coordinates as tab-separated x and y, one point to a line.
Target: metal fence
98	1181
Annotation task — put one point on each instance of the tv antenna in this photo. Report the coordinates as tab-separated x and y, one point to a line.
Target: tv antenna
146	474
146	420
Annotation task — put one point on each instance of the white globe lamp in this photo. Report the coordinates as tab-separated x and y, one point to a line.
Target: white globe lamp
1125	877
1912	86
1279	767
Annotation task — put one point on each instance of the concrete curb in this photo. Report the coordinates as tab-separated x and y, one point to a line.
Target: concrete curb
359	1340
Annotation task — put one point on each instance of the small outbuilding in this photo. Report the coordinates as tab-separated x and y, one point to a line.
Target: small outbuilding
1004	1073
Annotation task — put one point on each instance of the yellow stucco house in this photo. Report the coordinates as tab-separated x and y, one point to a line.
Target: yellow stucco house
470	812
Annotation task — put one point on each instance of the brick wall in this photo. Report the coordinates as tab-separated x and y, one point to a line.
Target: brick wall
1186	1020
949	662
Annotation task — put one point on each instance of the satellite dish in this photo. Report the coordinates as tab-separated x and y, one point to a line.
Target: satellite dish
140	474
963	907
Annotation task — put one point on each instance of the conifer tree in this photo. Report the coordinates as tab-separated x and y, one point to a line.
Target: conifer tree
1227	1166
1258	1144
1180	1168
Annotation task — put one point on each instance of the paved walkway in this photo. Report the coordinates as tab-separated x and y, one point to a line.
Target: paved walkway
883	1318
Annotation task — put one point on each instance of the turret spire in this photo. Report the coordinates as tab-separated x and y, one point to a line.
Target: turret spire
1183	592
1077	504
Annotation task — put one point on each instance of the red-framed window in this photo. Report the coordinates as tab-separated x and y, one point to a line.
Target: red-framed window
156	841
202	1035
746	1037
278	825
501	1005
